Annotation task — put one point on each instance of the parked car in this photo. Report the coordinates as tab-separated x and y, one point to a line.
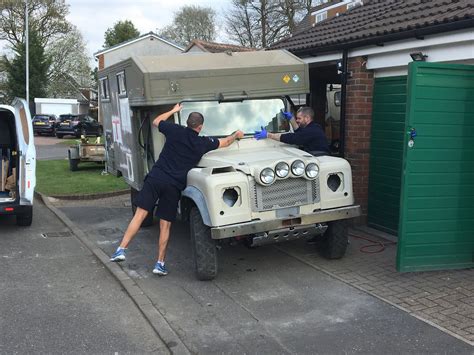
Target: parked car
78	125
45	124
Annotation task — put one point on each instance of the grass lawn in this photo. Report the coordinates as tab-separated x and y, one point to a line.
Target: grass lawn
53	178
72	141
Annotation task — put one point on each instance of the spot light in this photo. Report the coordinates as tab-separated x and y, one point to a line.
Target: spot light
418	56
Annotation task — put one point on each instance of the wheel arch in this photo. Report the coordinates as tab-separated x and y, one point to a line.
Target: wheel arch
193	196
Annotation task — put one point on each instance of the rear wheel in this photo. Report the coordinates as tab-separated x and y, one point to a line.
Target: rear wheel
204	247
148	221
26	218
73	164
334	242
59	135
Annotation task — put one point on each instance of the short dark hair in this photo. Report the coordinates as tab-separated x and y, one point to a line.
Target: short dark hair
195	119
306	111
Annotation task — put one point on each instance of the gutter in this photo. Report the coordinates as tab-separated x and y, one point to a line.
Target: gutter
342	120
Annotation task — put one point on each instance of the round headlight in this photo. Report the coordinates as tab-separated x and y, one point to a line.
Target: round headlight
312	170
267	176
297	168
282	169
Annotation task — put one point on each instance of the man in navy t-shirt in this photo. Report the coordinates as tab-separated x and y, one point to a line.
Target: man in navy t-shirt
308	135
182	151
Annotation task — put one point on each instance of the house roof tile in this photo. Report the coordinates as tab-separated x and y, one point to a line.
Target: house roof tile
379	21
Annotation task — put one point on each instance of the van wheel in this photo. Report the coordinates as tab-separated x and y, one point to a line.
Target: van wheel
204	247
148	221
73	164
333	244
25	218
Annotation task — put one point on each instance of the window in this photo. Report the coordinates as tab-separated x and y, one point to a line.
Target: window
122	91
221	119
321	16
104	89
354	4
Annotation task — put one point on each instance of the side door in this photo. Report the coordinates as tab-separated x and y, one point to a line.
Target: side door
436	225
26	151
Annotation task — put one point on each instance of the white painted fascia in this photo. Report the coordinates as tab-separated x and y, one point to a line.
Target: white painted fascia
329	57
454	46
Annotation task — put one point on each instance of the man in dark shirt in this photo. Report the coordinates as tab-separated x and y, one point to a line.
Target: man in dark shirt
182	151
307	133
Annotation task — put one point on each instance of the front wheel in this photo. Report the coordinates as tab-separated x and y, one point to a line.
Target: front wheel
148	221
204	247
334	242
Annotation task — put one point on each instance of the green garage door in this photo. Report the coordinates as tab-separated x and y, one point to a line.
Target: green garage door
386	152
436	228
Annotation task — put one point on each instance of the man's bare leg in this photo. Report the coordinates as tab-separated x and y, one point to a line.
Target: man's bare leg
164	237
133	227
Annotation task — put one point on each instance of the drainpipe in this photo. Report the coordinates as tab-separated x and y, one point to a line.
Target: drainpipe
342	120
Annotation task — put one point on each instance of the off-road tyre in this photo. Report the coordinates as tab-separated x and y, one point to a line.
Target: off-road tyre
333	244
148	221
73	164
26	218
203	246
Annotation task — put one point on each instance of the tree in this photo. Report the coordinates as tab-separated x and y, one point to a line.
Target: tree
121	31
189	23
38	69
59	40
46	17
70	68
261	23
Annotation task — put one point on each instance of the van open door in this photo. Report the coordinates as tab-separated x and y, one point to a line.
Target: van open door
26	152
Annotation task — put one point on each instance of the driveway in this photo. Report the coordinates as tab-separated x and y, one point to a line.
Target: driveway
264	300
48	148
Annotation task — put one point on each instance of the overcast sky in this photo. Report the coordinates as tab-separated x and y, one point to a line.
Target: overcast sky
94	17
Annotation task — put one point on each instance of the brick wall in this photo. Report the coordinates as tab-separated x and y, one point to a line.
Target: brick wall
101	62
358	124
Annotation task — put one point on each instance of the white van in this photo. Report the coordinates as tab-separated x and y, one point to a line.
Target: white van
18	162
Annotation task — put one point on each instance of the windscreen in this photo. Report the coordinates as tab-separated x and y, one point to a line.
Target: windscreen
221	119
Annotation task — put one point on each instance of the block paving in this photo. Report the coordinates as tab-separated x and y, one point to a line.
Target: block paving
444	299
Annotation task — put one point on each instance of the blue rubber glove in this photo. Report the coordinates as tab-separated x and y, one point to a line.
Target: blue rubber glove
288	115
261	134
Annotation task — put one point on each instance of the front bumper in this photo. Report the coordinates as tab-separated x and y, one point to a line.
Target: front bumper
253	227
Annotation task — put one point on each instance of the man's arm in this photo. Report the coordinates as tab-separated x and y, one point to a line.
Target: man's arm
166	115
225	142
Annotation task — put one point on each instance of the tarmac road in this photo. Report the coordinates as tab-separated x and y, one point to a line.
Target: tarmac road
48	148
56	297
263	300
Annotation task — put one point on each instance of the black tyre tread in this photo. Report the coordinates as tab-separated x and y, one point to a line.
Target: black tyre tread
73	164
25	219
335	240
204	247
148	221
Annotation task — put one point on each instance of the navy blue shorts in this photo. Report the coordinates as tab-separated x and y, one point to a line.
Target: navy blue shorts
167	195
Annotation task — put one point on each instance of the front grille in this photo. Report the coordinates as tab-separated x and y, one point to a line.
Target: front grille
284	193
